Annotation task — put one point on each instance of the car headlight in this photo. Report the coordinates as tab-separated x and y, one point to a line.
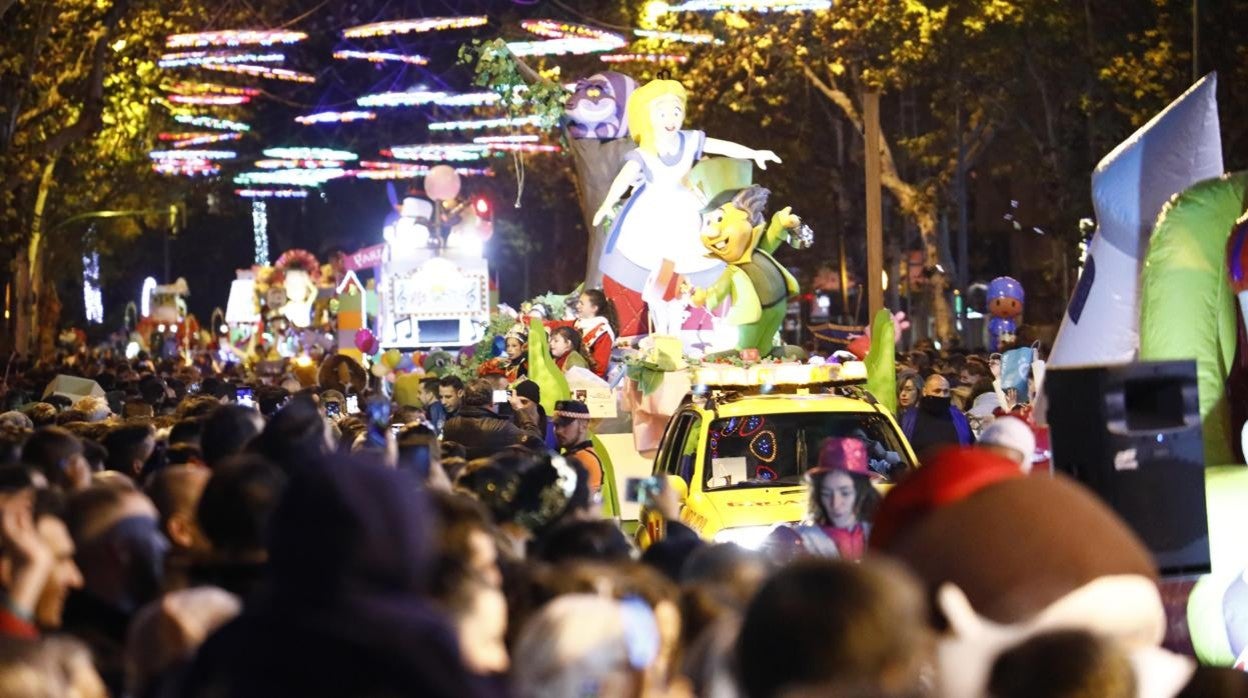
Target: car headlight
750	537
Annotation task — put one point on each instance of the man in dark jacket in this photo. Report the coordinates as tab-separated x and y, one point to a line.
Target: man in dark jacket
481	430
935	421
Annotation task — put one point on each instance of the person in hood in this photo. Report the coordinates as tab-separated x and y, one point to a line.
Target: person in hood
935	421
346	609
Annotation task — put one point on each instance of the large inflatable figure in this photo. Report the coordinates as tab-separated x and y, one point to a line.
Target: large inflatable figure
1177	148
757	284
661	219
1005	304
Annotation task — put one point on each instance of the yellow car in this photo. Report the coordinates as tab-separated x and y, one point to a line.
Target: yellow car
736	458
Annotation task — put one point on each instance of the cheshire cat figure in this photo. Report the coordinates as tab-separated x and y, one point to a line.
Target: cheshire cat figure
596	108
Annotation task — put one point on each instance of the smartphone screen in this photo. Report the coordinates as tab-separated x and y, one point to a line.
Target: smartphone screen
245	397
501	396
333	409
353	404
378	421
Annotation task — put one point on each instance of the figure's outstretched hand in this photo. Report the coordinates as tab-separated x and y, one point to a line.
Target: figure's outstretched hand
786	219
762	157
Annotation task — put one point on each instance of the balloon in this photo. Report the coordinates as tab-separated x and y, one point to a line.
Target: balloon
364	340
392	358
379	369
442	183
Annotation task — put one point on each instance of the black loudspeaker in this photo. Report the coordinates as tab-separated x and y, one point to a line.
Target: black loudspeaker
1132	434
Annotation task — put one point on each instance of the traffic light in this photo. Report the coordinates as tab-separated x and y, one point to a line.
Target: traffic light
483	208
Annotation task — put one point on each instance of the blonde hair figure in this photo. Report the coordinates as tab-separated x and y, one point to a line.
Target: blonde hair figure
661	220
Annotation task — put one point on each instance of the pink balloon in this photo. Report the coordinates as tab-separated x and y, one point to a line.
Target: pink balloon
442	183
364	340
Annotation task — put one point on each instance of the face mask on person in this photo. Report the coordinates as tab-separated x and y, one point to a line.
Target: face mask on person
935	404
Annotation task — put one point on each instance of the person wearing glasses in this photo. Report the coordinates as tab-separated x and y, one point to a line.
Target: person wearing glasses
934	421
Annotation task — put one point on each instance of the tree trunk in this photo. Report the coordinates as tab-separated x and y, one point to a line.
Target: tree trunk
28	276
596	162
913	203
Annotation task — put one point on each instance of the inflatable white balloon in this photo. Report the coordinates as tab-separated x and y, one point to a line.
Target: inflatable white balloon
1177	148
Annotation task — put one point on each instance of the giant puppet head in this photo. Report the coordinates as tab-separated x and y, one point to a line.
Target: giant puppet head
596	107
1008	557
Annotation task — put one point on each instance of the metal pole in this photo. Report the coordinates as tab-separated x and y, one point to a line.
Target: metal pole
875	222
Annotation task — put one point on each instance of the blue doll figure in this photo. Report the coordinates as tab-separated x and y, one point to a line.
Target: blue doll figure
1005	304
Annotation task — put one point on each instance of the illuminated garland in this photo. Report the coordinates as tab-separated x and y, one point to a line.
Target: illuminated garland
210	88
564	38
516	138
202	139
260	232
192	154
335	117
309	164
235	37
416	98
382	57
301	153
402	171
408	26
475	124
272	193
203	121
186	168
644	58
291	178
682	37
92	297
200	58
264	72
438	152
182	135
741	6
210	100
526	147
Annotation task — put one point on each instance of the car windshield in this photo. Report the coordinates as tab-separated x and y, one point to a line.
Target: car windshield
778	449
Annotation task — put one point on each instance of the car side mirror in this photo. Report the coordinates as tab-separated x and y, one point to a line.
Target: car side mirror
679	486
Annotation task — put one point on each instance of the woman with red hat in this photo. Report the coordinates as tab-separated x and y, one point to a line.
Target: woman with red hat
842	503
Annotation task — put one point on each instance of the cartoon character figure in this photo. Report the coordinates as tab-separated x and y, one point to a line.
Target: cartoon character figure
758	285
661	219
596	107
1005	304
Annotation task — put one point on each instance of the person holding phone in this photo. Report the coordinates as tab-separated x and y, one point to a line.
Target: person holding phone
481	430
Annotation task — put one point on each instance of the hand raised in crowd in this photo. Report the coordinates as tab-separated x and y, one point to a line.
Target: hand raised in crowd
25	560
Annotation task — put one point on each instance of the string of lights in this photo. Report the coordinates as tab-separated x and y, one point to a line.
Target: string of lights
260	231
298	177
186	168
416	98
408	26
210	88
261	71
335	117
482	124
644	58
565	38
201	58
655	8
210	100
303	153
235	37
308	164
515	138
438	152
192	154
205	121
204	139
681	37
382	57
272	193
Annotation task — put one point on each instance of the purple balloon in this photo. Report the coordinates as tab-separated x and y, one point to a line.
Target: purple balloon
365	341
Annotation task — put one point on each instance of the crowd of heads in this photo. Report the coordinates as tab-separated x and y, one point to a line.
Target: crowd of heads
165	539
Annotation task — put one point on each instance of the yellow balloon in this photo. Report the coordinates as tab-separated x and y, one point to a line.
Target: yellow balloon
380	370
392	357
